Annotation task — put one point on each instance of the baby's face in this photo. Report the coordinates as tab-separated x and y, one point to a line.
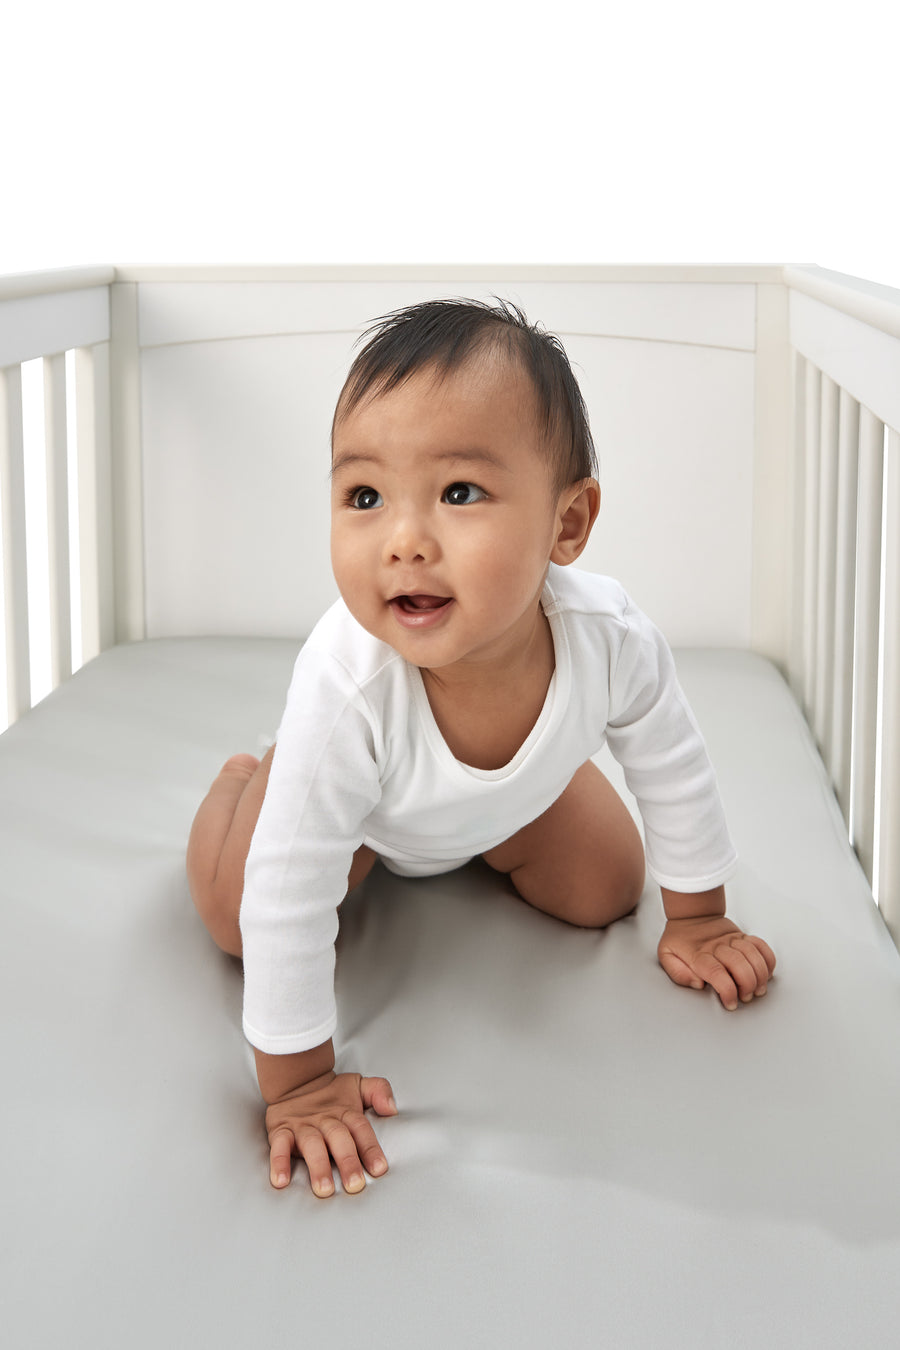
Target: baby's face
444	515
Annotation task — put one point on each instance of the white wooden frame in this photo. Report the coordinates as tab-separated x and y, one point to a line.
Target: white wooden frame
45	316
844	658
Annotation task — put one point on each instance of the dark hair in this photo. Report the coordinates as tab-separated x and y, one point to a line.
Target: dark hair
448	333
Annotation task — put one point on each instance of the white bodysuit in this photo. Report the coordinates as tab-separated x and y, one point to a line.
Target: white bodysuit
359	759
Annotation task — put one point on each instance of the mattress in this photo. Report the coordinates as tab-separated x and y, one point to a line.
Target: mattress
585	1154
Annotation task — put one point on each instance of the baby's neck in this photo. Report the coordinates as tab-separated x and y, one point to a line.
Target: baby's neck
486	710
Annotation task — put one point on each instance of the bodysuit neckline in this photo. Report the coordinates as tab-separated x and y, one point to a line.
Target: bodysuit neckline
551	712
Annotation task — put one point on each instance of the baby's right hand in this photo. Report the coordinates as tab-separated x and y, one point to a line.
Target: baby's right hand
326	1119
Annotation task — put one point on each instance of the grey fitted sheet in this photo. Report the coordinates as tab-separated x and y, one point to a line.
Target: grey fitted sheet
585	1154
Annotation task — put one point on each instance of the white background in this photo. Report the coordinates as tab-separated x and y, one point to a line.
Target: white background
476	131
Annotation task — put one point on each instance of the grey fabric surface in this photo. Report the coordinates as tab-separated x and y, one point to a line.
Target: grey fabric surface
585	1155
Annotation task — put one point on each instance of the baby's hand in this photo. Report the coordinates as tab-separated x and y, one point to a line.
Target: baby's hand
712	950
325	1119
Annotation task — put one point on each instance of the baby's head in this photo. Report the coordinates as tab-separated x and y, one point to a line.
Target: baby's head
462	466
447	336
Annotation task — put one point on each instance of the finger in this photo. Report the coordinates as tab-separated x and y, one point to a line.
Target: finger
679	971
367	1145
314	1152
281	1147
343	1149
767	954
758	962
739	968
376	1092
715	974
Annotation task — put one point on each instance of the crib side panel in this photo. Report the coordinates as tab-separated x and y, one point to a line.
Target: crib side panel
56	519
238	382
845	663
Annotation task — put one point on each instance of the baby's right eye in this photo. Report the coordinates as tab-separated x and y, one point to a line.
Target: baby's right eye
365	498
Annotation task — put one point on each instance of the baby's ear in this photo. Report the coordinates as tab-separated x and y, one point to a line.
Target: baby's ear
576	513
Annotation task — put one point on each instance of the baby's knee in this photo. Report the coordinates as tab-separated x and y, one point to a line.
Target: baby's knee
607	905
611	896
240	766
218	903
593	898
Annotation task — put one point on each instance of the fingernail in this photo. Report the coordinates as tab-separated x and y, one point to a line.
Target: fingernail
378	1167
732	1007
281	1178
355	1183
325	1187
392	1104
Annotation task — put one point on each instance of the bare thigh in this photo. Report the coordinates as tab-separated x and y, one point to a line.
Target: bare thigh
220	841
582	860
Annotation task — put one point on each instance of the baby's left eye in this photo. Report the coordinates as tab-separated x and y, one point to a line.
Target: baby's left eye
463	494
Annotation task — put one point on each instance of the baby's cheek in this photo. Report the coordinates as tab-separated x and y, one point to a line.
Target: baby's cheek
347	583
345	561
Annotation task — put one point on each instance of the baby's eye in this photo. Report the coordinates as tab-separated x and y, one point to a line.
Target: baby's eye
463	494
365	498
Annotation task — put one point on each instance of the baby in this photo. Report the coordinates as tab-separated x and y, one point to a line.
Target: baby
447	707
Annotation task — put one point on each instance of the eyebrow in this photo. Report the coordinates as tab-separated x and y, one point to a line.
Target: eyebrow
349	458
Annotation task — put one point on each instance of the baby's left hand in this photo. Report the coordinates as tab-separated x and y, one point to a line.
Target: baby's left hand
712	950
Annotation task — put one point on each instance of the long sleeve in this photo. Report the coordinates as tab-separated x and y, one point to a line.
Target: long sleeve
653	734
323	784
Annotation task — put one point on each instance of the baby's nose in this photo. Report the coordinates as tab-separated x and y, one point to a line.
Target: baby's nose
411	540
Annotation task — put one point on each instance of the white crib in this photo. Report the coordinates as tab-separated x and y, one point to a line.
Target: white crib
704	1180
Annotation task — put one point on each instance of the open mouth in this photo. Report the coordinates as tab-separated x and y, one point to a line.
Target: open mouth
420	611
420	604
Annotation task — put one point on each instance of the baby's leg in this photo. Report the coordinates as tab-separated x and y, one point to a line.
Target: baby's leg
582	860
220	841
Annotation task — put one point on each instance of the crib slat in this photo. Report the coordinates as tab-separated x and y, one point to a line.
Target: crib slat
844	597
58	517
808	613
889	832
796	667
868	604
15	564
825	584
94	498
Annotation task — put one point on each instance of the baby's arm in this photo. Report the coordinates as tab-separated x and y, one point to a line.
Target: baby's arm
319	1115
323	785
653	733
701	946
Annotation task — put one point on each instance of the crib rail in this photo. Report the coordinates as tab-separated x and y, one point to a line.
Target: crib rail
56	516
844	661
